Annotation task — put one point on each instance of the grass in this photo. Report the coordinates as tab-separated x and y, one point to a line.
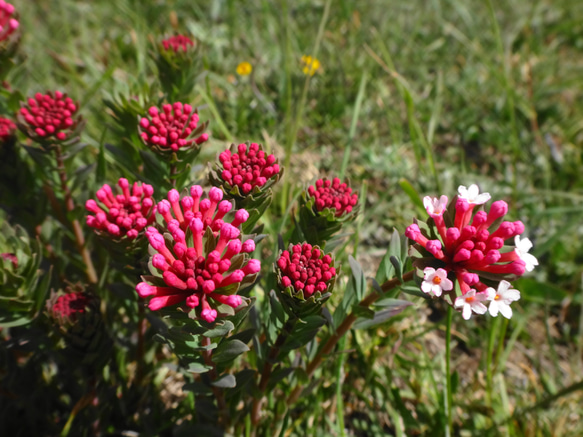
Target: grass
428	93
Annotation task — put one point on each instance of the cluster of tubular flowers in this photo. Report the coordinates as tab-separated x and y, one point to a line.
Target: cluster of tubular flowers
305	268
125	214
248	168
469	247
48	116
171	128
68	307
7	128
333	195
8	22
178	43
190	274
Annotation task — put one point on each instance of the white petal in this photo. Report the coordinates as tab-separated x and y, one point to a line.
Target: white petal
493	309
505	310
482	198
467	312
463	191
511	295
426	286
446	284
503	286
428	273
459	302
479	308
523	245
428	203
530	261
437	290
473	191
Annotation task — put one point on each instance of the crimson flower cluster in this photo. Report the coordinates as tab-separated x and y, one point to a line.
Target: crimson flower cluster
178	43
305	268
7	128
125	214
8	22
68	307
470	248
333	195
172	128
204	274
49	117
248	168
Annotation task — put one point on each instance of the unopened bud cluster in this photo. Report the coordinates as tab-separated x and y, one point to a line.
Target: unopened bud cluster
122	215
471	247
248	168
69	307
305	268
172	128
333	195
49	117
178	43
7	128
203	280
8	21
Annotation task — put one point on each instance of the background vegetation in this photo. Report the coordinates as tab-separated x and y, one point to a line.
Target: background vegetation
413	98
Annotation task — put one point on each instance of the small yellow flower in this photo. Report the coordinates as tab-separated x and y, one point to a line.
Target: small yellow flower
310	65
244	68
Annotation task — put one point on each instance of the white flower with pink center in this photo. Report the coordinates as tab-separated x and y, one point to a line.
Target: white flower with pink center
522	248
472	195
471	301
435	281
500	300
435	206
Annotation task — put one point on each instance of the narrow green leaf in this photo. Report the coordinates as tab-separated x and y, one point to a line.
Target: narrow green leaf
229	350
226	381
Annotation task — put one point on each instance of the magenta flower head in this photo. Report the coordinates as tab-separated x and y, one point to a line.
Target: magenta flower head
50	118
173	128
324	207
9	23
473	248
7	128
121	216
178	43
200	259
305	274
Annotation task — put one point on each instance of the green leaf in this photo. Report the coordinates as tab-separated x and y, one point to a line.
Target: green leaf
380	316
358	278
220	330
229	350
195	367
226	381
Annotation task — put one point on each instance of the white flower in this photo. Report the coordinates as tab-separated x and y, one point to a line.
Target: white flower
435	206
501	299
471	301
435	281
522	248
472	195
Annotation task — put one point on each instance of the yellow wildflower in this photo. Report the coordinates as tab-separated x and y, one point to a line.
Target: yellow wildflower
310	65
244	68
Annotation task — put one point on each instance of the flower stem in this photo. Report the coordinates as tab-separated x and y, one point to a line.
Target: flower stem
268	367
449	394
207	355
77	231
342	329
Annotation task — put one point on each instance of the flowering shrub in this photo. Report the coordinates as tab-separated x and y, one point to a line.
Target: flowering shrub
197	289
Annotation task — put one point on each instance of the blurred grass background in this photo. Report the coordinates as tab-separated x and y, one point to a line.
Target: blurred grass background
412	98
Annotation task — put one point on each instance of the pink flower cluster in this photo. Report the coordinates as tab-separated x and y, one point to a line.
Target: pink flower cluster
190	274
8	23
177	43
248	168
7	128
50	116
125	214
171	127
334	195
472	248
69	306
306	268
